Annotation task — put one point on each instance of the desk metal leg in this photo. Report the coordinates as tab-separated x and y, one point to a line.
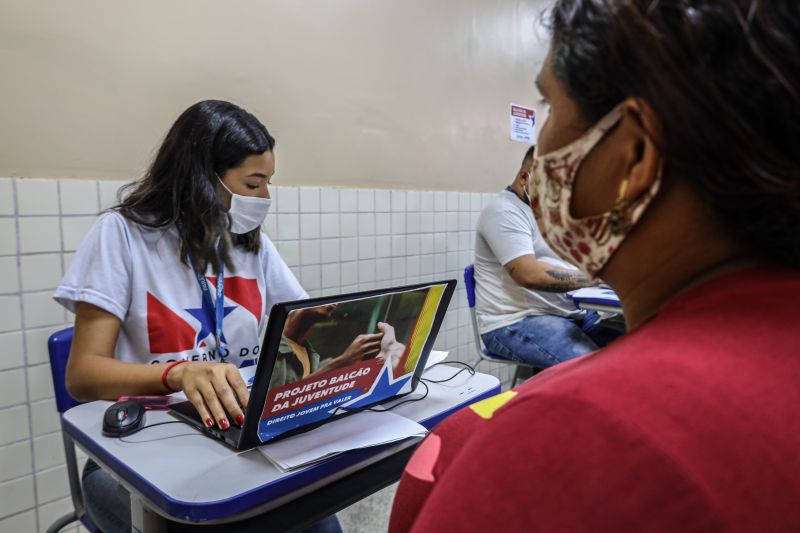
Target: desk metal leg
143	520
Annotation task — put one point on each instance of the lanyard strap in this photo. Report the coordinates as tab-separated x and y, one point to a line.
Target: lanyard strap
215	313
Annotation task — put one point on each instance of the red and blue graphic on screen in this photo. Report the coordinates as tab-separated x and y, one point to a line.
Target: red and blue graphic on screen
324	395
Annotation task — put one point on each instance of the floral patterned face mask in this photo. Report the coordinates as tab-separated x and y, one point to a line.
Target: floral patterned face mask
591	241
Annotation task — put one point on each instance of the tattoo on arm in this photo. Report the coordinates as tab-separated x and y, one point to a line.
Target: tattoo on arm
566	280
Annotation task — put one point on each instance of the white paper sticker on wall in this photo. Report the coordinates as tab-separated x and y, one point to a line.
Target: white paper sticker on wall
523	124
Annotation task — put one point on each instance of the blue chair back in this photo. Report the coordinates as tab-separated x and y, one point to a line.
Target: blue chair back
483	353
469	283
59	346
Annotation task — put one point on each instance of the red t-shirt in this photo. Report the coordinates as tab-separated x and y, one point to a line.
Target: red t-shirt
690	423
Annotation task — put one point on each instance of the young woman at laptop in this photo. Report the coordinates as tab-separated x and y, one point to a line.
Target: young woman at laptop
171	286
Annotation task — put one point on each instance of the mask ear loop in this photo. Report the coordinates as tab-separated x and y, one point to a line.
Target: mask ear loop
525	189
223	184
619	219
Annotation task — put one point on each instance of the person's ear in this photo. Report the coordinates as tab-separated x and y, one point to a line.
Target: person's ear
523	177
644	147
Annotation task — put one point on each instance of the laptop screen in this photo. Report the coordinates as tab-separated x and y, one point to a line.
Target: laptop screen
348	353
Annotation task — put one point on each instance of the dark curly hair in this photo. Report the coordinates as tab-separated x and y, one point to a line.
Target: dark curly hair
724	78
209	138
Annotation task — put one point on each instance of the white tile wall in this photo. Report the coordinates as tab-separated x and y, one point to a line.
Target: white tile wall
37	197
38	309
9	284
74	229
52	484
48	451
8	236
335	240
108	193
44	417
13	354
49	512
39	234
40	271
15	461
6	197
19	523
14	422
79	197
10	318
12	385
16	495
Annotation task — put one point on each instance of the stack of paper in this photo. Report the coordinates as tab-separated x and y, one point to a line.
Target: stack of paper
360	430
435	357
596	295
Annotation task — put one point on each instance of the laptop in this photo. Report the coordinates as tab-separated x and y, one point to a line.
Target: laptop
324	358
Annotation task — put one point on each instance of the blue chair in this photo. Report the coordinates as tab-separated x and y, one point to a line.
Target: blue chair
59	346
483	353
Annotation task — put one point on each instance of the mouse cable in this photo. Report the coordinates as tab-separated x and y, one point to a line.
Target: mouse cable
122	439
469	368
423	381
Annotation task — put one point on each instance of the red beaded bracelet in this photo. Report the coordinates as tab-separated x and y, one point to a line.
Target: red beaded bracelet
166	371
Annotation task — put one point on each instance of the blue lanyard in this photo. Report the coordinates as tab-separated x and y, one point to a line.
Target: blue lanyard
215	313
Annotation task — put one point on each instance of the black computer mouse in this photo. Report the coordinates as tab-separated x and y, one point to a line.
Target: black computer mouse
123	418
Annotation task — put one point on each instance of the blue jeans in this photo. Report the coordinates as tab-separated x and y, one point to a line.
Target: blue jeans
546	340
109	504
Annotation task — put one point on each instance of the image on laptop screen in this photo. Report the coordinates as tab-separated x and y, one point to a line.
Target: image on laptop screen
350	353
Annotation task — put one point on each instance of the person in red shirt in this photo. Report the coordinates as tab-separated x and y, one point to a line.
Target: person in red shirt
668	167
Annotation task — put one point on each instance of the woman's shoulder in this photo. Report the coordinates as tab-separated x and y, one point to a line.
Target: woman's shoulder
267	249
112	218
267	246
110	225
115	220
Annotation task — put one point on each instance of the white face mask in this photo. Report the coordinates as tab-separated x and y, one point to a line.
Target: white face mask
247	212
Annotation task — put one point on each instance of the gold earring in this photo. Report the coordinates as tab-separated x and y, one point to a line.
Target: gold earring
619	219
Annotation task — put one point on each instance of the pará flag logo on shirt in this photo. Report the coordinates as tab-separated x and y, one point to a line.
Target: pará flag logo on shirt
168	332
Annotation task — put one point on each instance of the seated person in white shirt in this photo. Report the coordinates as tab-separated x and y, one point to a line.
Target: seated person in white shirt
523	313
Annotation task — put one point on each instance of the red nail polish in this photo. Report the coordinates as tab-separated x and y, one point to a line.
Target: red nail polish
240	420
209	422
223	423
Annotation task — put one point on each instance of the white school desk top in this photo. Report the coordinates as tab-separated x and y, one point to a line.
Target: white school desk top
186	476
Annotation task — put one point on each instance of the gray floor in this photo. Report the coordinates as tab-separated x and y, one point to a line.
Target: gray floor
370	515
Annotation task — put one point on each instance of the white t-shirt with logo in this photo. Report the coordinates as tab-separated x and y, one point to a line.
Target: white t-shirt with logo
135	273
506	231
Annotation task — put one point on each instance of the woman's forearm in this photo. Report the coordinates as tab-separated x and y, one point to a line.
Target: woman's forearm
97	377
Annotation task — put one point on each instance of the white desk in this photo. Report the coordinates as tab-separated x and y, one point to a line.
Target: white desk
174	473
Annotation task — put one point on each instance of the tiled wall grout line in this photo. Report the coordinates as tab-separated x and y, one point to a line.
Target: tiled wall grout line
29	420
27	372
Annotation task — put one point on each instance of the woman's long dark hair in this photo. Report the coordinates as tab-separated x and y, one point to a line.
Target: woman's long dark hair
209	138
723	77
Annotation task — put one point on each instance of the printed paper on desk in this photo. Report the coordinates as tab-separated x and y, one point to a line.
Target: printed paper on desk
361	430
597	294
435	357
382	339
